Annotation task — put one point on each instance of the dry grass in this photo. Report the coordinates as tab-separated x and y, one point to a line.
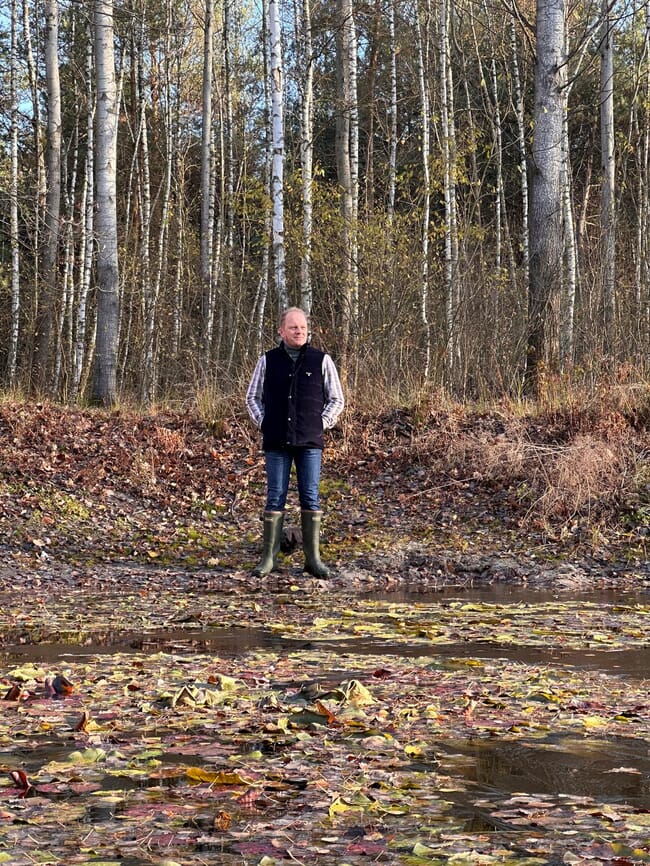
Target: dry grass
584	458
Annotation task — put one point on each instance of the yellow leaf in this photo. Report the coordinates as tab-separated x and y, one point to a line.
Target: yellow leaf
421	850
222	777
594	722
357	694
339	806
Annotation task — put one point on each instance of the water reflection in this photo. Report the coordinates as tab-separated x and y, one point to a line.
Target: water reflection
232	642
617	769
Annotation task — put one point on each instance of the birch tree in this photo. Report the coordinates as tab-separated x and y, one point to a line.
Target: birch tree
522	150
642	262
608	181
307	156
448	132
392	112
546	248
207	186
13	198
261	296
347	167
422	25
87	230
105	373
142	103
45	315
37	132
277	165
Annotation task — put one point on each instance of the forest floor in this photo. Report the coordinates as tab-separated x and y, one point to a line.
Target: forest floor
468	687
447	498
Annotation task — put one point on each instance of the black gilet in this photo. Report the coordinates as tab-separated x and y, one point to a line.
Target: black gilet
294	398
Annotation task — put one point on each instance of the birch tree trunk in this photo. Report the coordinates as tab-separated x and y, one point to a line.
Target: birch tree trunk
39	202
263	284
354	170
307	157
144	256
546	247
230	307
608	180
13	198
392	124
567	318
207	188
347	169
45	315
642	269
449	182
277	170
163	228
105	373
422	39
371	78
87	230
521	142
63	335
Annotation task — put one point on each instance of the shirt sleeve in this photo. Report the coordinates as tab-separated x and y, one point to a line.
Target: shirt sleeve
255	392
334	400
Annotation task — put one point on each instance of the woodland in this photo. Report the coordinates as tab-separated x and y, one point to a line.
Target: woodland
458	192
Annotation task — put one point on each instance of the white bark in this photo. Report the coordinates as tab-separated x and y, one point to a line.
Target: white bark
144	257
207	189
351	40
307	156
608	181
567	319
422	38
521	141
392	125
546	244
87	231
263	284
66	305
162	243
642	270
105	376
13	198
347	168
230	306
38	146
45	316
277	172
449	181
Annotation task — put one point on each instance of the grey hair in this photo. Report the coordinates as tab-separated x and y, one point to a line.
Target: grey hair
285	313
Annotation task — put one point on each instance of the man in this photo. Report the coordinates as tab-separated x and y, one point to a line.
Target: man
294	395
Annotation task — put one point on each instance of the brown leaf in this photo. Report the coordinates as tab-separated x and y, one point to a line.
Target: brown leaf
222	821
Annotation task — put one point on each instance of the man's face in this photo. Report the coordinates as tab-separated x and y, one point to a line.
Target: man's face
294	330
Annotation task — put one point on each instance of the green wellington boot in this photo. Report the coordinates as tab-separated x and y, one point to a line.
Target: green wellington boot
273	521
310	521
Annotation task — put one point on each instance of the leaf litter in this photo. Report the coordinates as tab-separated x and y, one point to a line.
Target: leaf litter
340	728
261	755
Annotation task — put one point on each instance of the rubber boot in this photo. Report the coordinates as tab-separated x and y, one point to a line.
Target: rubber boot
273	521
310	521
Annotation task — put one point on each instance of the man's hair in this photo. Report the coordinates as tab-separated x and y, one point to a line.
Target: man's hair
286	312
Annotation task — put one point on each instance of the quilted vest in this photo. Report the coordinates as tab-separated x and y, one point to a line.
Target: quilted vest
293	399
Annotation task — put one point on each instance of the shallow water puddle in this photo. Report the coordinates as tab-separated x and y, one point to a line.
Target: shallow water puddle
393	728
234	642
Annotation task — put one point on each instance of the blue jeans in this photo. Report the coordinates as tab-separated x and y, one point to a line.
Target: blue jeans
278	471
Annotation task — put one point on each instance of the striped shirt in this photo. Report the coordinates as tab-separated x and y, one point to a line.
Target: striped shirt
334	400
